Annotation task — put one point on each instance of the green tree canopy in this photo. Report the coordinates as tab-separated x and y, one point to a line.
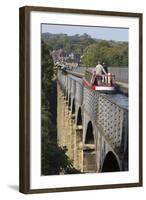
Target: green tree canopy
53	158
113	54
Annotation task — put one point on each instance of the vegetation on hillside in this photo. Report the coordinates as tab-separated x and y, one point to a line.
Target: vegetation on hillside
53	158
113	54
90	49
76	43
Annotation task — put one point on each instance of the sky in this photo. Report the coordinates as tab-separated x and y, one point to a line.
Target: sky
105	33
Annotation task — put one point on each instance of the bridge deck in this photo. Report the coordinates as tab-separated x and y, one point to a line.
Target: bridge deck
91	124
118	99
122	86
75	78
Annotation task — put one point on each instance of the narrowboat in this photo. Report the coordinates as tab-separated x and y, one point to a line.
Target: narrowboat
103	83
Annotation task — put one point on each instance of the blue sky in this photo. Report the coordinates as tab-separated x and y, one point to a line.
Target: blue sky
105	33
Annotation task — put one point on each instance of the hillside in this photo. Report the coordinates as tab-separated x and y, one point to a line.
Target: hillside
86	51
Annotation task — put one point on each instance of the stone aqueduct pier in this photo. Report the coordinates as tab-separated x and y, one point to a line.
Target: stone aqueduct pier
92	125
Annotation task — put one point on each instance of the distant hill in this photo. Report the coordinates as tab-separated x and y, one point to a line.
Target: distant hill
90	50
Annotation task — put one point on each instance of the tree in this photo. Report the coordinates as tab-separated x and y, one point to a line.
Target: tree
53	158
113	54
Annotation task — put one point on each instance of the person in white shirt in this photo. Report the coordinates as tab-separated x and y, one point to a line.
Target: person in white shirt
99	69
99	73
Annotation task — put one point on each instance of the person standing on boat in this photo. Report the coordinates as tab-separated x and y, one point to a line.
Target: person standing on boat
105	67
99	69
99	72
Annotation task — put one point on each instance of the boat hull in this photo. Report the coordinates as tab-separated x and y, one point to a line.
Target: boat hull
99	88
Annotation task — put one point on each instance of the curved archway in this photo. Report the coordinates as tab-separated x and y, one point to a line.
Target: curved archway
69	101
66	95
89	153
89	134
73	107
110	163
79	141
79	117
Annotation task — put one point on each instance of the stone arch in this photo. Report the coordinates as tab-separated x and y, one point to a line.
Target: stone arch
89	152
79	141
79	117
69	101
89	139
110	163
66	95
73	107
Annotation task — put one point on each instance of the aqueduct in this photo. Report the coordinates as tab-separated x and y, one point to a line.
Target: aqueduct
92	125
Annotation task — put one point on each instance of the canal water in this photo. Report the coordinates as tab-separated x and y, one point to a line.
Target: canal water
121	74
119	99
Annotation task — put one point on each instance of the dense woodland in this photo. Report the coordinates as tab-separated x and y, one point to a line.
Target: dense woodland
53	158
90	50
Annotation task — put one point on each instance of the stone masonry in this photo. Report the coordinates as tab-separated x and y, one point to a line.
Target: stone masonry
92	125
